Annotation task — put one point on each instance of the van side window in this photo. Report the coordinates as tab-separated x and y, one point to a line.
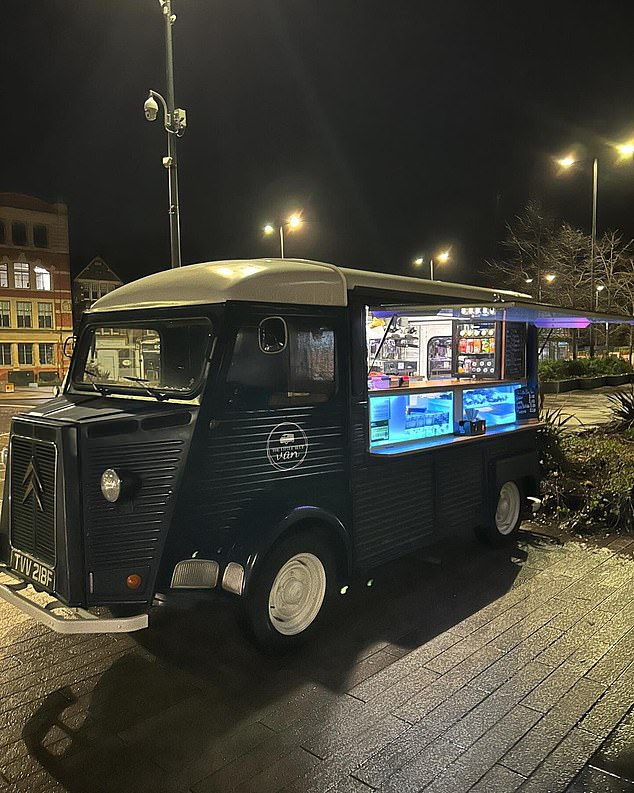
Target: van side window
303	373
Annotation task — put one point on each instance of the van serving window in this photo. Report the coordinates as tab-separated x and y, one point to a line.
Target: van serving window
303	373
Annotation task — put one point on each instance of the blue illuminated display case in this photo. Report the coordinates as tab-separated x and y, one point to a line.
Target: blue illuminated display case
494	404
398	418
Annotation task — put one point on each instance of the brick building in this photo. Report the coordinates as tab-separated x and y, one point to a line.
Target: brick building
93	282
35	289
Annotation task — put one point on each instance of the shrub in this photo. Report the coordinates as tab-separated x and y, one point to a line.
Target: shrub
603	467
609	364
550	440
622	408
583	367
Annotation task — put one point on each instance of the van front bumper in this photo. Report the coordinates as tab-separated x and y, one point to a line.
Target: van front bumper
57	615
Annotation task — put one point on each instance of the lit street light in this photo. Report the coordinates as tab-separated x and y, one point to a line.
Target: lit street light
174	122
442	257
294	222
625	150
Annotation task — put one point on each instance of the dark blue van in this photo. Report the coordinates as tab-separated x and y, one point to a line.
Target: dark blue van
264	428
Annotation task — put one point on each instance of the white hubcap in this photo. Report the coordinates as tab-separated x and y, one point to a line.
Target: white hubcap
508	509
297	594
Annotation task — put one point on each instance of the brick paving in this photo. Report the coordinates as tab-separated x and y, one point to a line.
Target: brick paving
465	670
585	408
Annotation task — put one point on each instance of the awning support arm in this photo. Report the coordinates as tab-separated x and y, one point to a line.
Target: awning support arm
380	347
546	340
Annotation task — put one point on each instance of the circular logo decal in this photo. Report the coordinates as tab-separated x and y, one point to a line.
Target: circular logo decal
287	446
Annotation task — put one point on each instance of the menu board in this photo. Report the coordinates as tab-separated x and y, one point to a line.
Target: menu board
526	403
515	350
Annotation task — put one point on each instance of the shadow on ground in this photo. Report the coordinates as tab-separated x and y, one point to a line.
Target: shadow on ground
192	693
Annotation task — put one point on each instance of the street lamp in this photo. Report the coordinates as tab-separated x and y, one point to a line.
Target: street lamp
294	222
568	162
625	150
442	257
174	122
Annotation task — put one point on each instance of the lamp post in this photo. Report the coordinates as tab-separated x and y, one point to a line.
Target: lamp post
568	162
294	222
174	122
442	257
625	150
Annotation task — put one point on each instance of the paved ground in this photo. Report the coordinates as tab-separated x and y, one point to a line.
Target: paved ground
462	668
587	408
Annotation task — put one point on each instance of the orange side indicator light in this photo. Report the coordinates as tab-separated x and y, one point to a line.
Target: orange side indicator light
134	581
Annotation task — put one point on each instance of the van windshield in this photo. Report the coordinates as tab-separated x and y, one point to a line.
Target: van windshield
163	358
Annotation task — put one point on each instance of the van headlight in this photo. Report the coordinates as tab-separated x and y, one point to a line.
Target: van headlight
111	485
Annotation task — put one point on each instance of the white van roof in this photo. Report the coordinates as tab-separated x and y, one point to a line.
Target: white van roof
295	281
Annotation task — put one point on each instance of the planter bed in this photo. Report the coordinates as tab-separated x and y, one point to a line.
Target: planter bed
559	386
588	383
617	379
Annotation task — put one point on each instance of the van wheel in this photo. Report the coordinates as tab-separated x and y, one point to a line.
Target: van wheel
506	520
290	592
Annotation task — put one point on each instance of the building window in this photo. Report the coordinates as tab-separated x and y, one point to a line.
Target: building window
40	236
24	312
46	354
5	354
5	314
25	353
42	279
21	275
18	233
4	275
94	291
85	291
45	315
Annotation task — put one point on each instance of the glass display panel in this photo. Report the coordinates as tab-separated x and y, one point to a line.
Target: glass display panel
399	418
494	404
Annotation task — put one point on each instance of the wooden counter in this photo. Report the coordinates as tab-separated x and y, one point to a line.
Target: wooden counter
442	385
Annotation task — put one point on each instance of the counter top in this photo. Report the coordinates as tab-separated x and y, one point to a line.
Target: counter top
424	444
443	385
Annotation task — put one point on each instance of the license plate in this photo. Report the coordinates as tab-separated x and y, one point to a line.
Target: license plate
36	572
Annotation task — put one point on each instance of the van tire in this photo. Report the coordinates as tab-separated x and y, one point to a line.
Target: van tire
290	592
503	525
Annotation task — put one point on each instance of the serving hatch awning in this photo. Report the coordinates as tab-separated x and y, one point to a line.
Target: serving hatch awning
539	314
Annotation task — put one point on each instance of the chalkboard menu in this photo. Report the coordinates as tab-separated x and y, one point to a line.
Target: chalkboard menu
515	350
526	403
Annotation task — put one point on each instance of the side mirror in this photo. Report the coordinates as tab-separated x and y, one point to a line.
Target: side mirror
69	346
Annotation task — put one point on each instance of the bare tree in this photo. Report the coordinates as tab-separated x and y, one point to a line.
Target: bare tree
569	259
553	260
526	246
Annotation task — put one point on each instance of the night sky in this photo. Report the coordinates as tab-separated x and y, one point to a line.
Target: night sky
397	127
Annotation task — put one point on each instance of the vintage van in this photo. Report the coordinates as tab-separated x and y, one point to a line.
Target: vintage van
264	428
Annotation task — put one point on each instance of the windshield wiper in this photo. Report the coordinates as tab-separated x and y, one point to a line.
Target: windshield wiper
100	388
159	395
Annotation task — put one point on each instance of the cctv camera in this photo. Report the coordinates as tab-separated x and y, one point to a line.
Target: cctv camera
151	108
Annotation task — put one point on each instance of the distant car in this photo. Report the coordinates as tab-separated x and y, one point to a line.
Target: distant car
287	438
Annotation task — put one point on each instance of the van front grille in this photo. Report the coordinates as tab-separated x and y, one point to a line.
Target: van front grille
33	465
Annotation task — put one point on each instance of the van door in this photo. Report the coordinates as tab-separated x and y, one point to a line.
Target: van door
277	442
